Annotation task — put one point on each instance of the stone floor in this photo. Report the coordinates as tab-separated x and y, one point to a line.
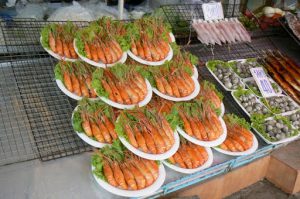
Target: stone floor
262	190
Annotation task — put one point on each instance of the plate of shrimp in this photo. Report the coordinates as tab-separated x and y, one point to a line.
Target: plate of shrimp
122	86
200	124
150	40
102	43
122	173
190	158
93	122
240	140
57	40
74	79
148	133
174	81
210	94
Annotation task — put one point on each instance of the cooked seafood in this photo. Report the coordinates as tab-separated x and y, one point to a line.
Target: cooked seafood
210	94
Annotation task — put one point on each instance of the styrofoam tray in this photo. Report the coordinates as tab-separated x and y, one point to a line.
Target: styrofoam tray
131	106
289	139
247	152
221	83
180	99
62	87
55	55
213	143
250	79
86	138
99	64
286	96
130	193
207	164
151	63
239	103
150	156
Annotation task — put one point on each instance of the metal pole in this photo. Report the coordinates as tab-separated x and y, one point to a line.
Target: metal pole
121	8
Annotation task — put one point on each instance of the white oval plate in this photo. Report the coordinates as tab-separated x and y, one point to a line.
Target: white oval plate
150	156
57	56
213	74
99	64
207	164
195	74
86	138
222	110
138	193
131	106
242	107
289	139
172	37
247	152
151	63
213	143
62	87
180	99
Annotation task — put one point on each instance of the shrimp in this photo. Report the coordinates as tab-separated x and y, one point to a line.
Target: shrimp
149	141
178	159
101	54
146	51
195	129
185	157
159	142
152	166
194	158
167	86
106	51
154	54
76	85
197	153
94	54
68	81
108	89
186	124
87	51
108	173
132	94
91	89
141	81
160	85
139	178
137	90
96	132
129	178
174	86
167	129
202	151
104	131
130	134
164	137
140	140
115	91
236	144
72	50
59	46
188	79
117	47
118	174
110	127
123	93
239	141
144	171
202	130
66	50
86	125
183	90
83	88
172	160
224	147
140	50
230	145
52	42
134	48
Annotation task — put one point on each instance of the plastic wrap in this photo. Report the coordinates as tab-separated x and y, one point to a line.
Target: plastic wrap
32	11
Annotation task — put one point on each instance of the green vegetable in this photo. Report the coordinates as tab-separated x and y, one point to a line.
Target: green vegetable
58	73
208	85
77	121
235	120
80	46
173	118
97	163
96	83
273	109
213	64
238	93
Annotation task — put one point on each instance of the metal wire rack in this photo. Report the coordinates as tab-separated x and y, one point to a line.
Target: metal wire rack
180	15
